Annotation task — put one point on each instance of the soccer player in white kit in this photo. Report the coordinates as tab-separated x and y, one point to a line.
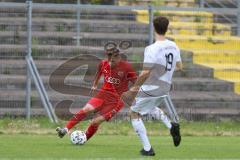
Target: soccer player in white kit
161	59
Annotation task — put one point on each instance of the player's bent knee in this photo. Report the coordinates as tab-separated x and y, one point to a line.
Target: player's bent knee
88	108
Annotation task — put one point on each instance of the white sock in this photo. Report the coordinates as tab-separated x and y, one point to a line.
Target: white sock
159	114
166	121
142	133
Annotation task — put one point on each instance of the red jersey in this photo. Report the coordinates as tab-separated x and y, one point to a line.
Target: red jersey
116	79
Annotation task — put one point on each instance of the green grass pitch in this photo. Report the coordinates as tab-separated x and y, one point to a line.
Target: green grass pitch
36	139
28	146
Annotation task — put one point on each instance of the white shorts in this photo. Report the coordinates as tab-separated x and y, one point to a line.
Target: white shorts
145	105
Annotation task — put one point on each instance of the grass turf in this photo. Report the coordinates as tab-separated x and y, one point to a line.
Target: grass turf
23	146
36	139
118	127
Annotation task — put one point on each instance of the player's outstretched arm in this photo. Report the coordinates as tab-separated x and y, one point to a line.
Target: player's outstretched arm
129	96
96	79
141	79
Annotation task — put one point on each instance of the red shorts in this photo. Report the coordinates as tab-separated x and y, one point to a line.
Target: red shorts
106	104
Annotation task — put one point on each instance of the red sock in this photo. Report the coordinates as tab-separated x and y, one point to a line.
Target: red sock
92	129
75	119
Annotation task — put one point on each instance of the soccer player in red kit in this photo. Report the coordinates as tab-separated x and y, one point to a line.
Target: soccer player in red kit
106	103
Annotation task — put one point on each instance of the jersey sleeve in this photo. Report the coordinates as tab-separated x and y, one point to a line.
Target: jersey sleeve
131	73
178	56
149	59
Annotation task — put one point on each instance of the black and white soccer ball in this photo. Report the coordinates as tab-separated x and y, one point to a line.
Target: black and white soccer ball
78	137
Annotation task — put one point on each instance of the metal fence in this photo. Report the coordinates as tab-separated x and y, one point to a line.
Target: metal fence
55	33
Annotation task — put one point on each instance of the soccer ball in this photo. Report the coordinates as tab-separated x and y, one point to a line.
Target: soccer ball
78	137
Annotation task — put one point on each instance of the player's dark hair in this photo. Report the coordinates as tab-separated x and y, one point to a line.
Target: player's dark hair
161	25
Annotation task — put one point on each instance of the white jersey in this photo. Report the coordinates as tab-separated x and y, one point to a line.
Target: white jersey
161	57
